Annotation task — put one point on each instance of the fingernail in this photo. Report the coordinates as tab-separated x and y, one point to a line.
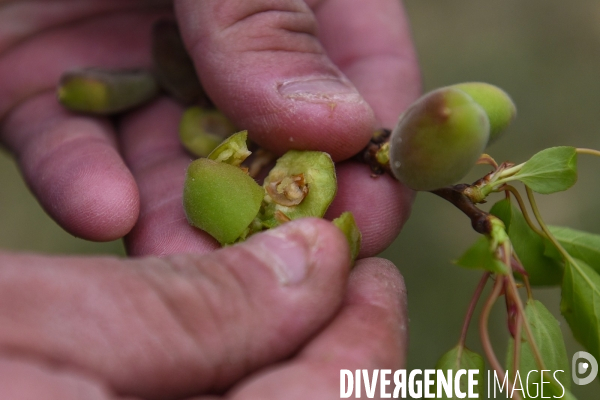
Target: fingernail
318	89
287	251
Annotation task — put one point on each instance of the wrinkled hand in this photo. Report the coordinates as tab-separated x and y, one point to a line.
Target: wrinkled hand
295	77
275	317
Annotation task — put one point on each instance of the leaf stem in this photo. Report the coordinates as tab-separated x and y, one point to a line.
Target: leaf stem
483	327
517	346
538	217
471	309
527	287
550	236
591	152
510	171
517	299
523	208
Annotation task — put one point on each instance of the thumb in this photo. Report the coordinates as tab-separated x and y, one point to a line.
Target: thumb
261	62
180	325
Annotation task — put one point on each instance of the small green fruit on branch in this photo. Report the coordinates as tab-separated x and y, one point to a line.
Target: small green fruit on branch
440	137
498	105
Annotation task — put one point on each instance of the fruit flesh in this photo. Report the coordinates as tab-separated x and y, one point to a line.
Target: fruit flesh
307	179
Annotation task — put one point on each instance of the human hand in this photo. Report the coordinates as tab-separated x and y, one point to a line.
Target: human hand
247	54
257	320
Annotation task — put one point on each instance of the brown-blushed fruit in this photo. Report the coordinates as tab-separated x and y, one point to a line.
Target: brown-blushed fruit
438	139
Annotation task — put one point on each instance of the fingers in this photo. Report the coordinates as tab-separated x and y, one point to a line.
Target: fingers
263	65
246	52
73	167
380	205
370	42
71	162
158	162
20	20
370	332
109	41
26	380
186	324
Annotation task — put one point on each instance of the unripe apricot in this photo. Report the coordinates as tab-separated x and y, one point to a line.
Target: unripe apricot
349	228
438	139
220	199
202	130
302	184
498	105
104	92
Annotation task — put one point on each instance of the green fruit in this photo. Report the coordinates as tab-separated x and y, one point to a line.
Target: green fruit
202	130
348	226
104	92
302	184
232	150
438	139
498	105
220	199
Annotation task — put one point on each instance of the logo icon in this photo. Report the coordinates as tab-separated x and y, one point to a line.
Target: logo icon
581	364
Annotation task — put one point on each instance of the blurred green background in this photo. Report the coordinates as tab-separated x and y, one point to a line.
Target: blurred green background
546	54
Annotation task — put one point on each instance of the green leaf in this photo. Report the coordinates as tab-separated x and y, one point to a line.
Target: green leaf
579	244
529	246
481	256
580	304
459	357
569	396
549	340
503	210
551	170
